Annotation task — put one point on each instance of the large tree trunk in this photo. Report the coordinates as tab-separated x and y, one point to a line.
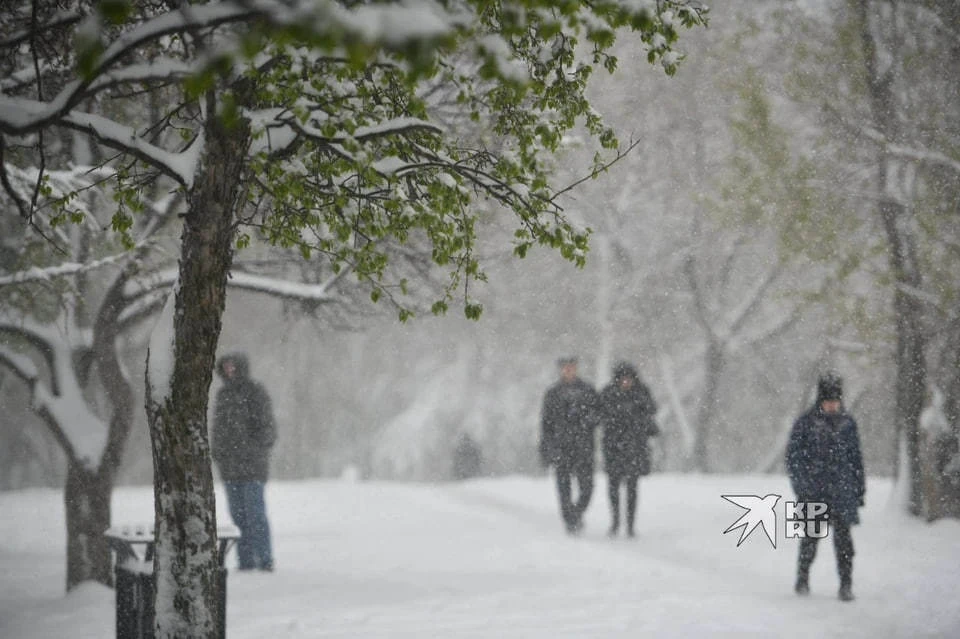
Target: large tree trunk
944	475
87	507
186	558
897	193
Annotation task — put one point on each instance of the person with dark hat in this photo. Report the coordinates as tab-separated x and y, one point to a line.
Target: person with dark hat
629	421
241	438
568	421
825	465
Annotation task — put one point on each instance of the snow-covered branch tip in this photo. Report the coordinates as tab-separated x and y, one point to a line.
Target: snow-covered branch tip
596	171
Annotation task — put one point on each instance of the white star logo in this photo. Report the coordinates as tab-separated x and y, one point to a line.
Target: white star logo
760	512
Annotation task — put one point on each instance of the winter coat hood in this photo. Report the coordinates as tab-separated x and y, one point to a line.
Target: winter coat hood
241	365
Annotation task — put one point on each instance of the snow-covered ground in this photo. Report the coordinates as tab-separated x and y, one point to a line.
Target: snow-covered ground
488	558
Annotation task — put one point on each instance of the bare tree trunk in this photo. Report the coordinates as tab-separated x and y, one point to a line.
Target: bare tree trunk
946	477
896	185
186	552
709	406
87	509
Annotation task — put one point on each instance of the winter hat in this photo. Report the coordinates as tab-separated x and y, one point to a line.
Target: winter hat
829	387
623	370
564	361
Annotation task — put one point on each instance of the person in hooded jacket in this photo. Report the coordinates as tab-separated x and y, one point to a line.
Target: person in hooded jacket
241	439
825	465
629	421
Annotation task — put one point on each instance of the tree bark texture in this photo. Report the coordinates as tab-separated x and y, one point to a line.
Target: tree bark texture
896	184
186	559
87	509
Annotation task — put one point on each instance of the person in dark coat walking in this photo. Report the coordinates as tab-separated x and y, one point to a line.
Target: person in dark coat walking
629	421
243	434
825	465
568	420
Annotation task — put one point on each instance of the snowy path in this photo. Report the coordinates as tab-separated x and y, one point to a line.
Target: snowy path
488	559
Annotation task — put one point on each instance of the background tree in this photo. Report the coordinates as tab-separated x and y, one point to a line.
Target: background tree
894	126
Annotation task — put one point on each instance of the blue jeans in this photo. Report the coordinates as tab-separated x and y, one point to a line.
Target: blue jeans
249	513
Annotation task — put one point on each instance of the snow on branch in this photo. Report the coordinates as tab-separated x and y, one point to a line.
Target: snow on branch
142	307
82	434
752	300
919	295
273	286
23	77
389	24
21	365
19	116
47	273
159	69
284	288
919	154
290	128
179	166
58	20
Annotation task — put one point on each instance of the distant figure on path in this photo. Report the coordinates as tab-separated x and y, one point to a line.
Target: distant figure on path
568	420
629	421
243	434
825	465
467	458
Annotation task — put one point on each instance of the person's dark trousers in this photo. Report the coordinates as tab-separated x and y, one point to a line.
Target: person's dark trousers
572	511
843	548
614	481
249	513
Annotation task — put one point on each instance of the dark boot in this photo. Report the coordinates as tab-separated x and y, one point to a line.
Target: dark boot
802	586
846	592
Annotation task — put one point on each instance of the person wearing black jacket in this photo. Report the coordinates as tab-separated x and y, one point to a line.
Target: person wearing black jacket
825	465
629	421
243	434
568	421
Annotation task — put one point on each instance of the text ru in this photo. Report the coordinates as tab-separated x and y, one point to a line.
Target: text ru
806	519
